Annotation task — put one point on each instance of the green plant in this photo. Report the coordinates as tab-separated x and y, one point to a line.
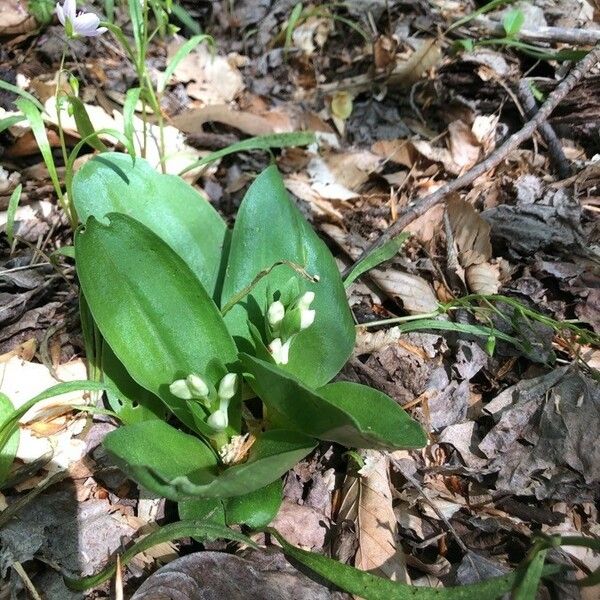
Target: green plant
512	23
237	334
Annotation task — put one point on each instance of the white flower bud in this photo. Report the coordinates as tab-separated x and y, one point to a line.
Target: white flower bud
280	351
197	386
275	313
306	300
275	348
307	318
228	386
284	355
181	389
218	420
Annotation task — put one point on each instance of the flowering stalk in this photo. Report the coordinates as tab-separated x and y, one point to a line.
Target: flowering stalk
284	324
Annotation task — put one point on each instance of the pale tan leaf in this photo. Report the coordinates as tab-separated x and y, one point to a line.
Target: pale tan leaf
465	149
471	233
368	342
416	294
426	57
368	503
211	78
483	278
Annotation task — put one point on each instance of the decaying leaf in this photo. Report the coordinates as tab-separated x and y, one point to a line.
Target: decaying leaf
544	442
420	62
471	238
14	17
211	78
416	294
368	503
264	575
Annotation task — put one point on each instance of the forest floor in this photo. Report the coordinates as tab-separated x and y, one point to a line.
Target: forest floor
404	103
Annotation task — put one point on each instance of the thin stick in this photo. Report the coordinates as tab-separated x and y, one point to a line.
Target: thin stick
557	156
494	159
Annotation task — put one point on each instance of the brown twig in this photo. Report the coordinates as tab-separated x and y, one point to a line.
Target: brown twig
548	35
557	156
494	159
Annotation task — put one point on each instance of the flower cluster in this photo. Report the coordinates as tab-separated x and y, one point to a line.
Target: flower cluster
78	24
193	387
285	324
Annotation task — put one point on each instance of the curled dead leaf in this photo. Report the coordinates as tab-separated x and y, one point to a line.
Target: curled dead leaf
416	294
368	503
483	279
471	233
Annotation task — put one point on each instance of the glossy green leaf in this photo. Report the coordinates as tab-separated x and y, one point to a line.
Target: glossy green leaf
154	452
269	229
257	509
202	509
274	453
133	403
166	204
150	308
371	587
347	413
168	533
9	450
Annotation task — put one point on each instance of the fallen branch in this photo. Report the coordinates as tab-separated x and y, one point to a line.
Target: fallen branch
494	159
548	35
557	156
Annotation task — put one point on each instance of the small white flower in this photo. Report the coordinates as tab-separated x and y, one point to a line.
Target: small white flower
275	313
307	318
228	386
82	24
306	300
218	420
280	351
192	386
181	389
197	386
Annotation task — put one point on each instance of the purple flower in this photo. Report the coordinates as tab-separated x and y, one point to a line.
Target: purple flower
82	24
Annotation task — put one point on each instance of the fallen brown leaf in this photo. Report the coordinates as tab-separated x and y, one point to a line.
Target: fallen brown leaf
368	503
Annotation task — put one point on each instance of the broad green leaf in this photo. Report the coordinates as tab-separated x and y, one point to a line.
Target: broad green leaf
269	229
202	509
150	308
9	450
370	587
168	533
166	204
274	453
513	22
379	255
257	509
152	452
347	413
133	403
